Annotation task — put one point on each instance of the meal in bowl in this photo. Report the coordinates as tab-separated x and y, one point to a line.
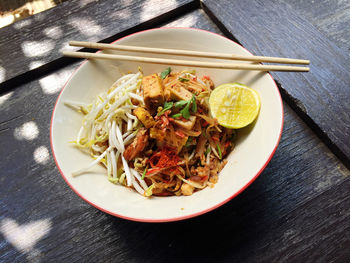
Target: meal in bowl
160	134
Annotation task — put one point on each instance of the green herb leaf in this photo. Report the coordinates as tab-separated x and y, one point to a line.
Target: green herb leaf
183	79
186	111
219	151
144	173
189	142
208	150
177	115
165	73
194	104
180	103
167	106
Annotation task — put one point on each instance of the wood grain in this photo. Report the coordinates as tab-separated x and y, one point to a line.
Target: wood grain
39	40
274	29
296	211
332	18
296	208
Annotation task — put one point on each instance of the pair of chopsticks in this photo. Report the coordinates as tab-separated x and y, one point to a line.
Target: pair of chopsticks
220	65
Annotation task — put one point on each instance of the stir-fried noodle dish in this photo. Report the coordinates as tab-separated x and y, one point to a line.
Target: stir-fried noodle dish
155	133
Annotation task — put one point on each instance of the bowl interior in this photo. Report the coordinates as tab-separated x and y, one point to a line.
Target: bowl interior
255	146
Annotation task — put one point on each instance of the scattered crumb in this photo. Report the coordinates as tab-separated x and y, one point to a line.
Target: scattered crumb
182	208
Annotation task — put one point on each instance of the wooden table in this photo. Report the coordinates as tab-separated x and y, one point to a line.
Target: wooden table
298	210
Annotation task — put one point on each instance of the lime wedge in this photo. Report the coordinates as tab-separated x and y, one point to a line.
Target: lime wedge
234	105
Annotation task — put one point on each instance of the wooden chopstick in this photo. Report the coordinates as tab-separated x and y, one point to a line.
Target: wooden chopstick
189	53
219	65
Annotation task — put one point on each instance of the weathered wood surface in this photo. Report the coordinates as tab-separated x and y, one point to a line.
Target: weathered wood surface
332	18
40	39
321	96
296	211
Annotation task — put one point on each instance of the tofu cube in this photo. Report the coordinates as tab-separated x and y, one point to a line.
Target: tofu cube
164	137
156	134
177	143
179	93
187	189
153	91
186	124
144	116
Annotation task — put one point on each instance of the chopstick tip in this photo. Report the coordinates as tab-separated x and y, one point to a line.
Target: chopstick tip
74	43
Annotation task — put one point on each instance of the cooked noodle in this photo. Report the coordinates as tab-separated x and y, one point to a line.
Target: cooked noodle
155	133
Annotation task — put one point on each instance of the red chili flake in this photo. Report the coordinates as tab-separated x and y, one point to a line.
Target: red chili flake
166	113
206	78
153	170
165	121
227	144
204	178
205	123
154	160
180	134
215	138
164	158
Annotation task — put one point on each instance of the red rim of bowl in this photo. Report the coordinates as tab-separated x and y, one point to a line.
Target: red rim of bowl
173	218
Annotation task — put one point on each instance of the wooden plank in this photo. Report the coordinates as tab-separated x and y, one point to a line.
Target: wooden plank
331	17
300	199
322	95
297	210
39	40
195	19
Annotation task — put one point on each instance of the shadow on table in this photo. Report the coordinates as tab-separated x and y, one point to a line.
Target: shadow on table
35	43
206	238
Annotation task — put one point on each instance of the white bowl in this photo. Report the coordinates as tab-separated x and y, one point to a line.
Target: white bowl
255	146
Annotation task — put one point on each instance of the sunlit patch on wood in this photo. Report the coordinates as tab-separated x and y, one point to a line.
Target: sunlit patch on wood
86	26
2	74
5	97
36	64
24	237
37	48
28	131
150	5
54	82
41	155
53	32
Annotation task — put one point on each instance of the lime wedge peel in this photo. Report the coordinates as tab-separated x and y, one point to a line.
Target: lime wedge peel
234	105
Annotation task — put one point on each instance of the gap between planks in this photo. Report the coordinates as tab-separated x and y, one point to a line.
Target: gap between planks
291	101
61	62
